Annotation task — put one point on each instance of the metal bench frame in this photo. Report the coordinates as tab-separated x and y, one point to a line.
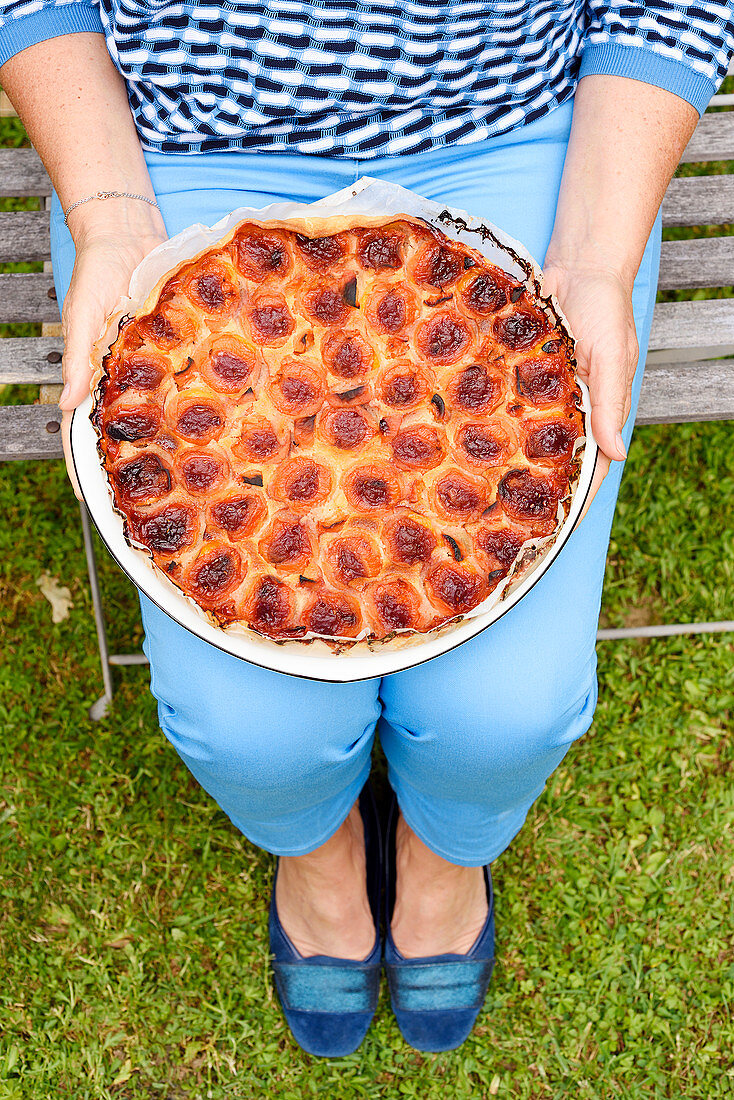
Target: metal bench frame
687	376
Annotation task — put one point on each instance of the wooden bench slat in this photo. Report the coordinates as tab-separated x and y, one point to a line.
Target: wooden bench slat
708	324
27	298
7	110
674	393
23	431
679	325
705	261
671	393
22	173
702	200
699	200
713	139
26	360
24	237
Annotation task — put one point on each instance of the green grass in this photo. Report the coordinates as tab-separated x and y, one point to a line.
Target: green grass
133	925
133	934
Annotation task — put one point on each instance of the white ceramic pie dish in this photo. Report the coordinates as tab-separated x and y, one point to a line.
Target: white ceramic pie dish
316	659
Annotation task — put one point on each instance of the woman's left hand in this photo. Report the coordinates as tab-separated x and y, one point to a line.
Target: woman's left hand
598	305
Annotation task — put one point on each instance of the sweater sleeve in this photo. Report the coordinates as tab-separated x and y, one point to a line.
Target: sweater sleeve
683	48
23	23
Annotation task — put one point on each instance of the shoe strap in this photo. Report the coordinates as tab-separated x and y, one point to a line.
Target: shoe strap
326	987
422	987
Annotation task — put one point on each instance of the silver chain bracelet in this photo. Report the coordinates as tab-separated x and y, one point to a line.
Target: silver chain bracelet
107	195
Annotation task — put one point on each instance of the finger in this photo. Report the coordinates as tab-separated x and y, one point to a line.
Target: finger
81	330
66	440
600	472
633	357
609	390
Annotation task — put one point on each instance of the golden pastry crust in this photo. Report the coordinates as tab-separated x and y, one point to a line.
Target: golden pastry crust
345	427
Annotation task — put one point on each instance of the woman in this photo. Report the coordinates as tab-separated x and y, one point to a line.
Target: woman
560	121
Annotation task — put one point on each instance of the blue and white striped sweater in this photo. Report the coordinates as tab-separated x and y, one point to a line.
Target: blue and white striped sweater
365	78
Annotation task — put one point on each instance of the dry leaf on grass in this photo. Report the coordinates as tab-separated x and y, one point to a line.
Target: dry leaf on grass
57	595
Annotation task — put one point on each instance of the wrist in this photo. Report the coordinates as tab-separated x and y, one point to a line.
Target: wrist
569	262
115	217
594	233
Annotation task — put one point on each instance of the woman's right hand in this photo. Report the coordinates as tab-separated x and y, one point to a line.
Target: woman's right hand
109	246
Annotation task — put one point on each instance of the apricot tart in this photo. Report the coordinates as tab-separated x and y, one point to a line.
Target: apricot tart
346	435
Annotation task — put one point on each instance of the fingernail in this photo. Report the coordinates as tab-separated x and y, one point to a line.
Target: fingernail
65	393
620	444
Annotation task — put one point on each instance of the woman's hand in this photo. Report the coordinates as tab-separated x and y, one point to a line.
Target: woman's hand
626	140
87	140
106	256
598	305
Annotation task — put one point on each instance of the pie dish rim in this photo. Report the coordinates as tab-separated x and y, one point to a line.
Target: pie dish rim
317	659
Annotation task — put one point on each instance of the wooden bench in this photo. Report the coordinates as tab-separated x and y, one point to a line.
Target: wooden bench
688	375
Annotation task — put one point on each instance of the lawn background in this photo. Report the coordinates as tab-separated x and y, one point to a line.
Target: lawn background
133	932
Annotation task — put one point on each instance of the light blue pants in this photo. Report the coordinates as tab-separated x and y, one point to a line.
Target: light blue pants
472	736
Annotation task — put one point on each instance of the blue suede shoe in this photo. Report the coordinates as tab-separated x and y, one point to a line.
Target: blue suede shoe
328	1002
436	999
